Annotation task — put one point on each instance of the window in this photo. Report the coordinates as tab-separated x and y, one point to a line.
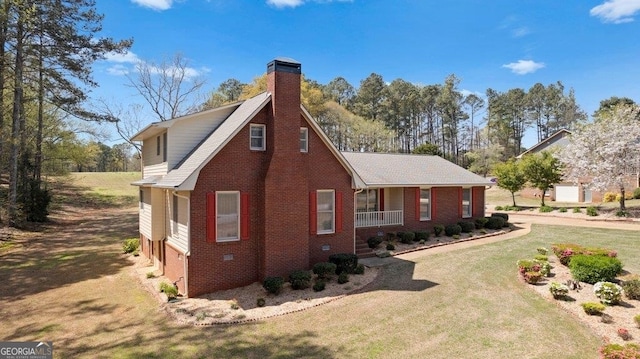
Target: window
425	204
141	198
257	137
158	146
367	200
304	139
227	216
326	211
174	214
164	147
466	202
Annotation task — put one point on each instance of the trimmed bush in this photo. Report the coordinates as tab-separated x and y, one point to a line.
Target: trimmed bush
617	351
636	193
169	289
422	236
407	237
300	279
594	268
592	211
558	290
374	242
504	216
480	222
260	302
273	285
345	262
608	293
593	308
343	278
319	286
532	277
130	245
390	246
562	209
542	250
359	269
438	229
609	197
494	222
632	288
324	270
452	230
541	257
467	227
545	209
498	208
545	269
577	210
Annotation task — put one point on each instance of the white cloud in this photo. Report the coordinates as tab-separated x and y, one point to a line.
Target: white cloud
616	11
523	67
296	3
172	71
128	57
118	70
155	4
520	32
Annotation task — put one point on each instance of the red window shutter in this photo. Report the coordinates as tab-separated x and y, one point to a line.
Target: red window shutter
339	212
381	194
433	203
418	204
460	202
211	217
313	212
244	216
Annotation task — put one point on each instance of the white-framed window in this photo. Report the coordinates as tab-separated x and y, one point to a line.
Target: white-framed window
158	146
304	139
164	147
466	202
142	198
227	216
367	200
326	211
174	214
257	134
425	204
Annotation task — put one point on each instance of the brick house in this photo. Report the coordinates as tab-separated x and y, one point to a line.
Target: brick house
232	195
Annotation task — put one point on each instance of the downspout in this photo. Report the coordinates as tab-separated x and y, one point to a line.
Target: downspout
188	252
355	210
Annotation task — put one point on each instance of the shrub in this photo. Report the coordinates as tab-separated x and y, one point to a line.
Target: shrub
541	257
480	222
438	229
400	235
593	269
422	241
494	222
359	269
545	269
273	285
624	334
592	211
169	289
390	246
636	193
452	229
300	279
467	227
319	286
456	236
510	208
324	270
525	265
260	302
577	210
632	288
374	242
343	278
622	213
593	308
637	320
151	275
608	293
499	208
562	209
532	277
422	236
504	216
558	290
130	245
617	351
542	250
345	262
407	237
609	197
545	209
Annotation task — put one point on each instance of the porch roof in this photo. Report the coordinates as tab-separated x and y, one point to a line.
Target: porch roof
404	170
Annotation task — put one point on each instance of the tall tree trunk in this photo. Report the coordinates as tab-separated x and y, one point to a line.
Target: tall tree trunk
3	39
37	166
17	120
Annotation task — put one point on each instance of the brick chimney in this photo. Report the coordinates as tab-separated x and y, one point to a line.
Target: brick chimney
286	212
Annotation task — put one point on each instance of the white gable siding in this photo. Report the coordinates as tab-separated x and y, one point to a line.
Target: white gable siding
150	150
178	239
155	170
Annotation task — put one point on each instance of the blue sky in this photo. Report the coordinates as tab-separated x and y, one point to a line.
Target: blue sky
592	46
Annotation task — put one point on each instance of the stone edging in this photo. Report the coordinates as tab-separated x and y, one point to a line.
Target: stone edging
468	239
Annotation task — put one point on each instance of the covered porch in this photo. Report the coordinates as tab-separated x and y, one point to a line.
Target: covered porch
378	207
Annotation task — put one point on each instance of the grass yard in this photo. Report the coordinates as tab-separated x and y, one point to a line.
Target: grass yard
69	283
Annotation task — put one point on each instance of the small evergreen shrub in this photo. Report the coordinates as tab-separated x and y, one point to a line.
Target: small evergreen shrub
422	236
558	290
593	308
407	237
608	293
319	286
617	351
504	216
456	236
499	208
542	250
481	222
592	211
151	275
438	229
545	269
343	278
422	241
636	193
541	257
359	269
545	209
632	288
637	320
131	245
577	210
622	213
260	302
594	268
494	222
169	289
345	262
300	279
562	209
466	226
399	235
527	265
390	246
532	277
452	229
374	242
233	304
511	208
273	285
324	270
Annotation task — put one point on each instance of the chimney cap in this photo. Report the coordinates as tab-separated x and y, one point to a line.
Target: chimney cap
284	64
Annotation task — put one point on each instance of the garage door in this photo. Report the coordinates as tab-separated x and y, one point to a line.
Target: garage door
567	193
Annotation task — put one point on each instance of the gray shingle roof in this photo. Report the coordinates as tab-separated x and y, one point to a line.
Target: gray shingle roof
186	173
403	170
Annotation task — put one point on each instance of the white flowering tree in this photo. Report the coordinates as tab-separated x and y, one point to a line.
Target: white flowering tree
606	151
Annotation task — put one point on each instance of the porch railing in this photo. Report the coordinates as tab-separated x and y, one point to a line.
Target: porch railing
379	218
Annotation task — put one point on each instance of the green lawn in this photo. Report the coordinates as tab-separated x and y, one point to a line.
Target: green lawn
500	197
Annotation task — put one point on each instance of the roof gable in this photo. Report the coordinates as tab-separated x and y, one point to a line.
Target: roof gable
557	139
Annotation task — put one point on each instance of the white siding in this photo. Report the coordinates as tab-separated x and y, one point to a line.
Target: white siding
157	215
159	169
181	238
145	213
150	151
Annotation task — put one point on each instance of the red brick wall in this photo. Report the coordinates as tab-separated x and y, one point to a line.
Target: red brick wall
145	248
477	198
174	266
